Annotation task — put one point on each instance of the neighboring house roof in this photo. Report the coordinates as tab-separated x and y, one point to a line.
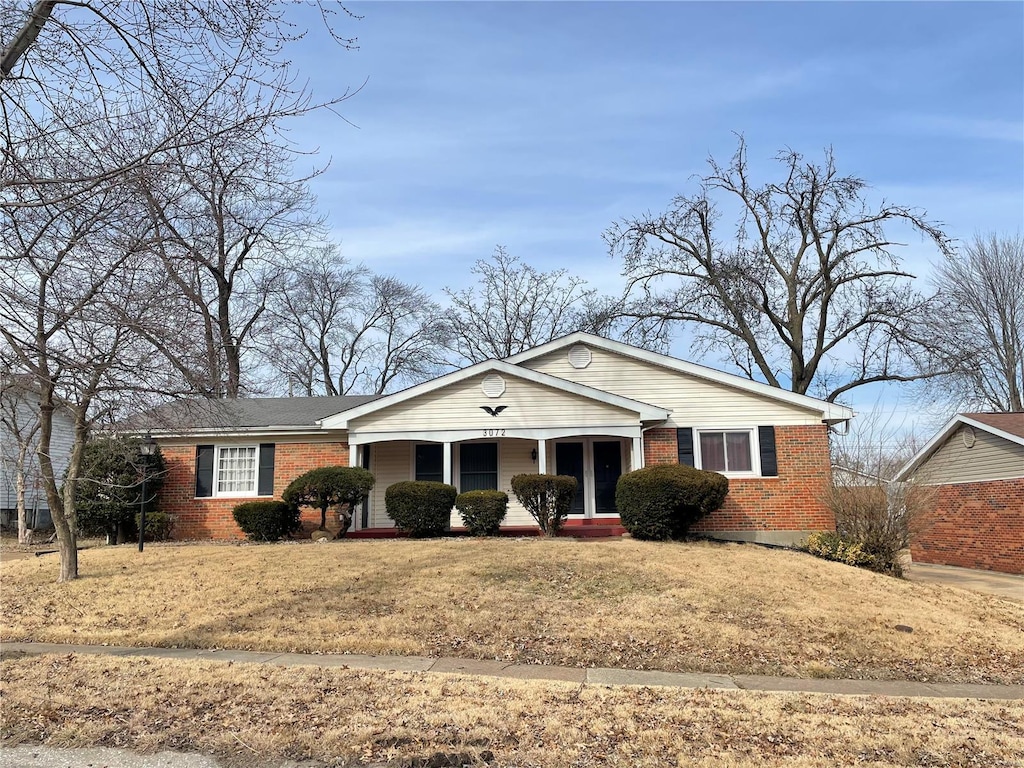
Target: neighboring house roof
245	414
646	411
1008	426
848	476
831	412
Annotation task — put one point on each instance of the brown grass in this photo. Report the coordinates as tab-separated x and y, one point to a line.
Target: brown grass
251	712
694	607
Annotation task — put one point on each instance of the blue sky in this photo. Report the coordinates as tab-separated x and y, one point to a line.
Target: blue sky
536	125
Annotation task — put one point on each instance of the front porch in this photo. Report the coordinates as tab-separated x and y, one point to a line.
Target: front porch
489	463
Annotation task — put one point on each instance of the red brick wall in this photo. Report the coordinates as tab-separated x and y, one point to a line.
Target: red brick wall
789	502
660	447
210	518
975	525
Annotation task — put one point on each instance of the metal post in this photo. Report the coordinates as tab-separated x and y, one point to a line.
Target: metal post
142	503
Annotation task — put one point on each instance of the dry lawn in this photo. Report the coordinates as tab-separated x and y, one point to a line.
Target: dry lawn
248	713
694	607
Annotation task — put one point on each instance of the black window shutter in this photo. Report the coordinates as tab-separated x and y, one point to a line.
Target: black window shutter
684	441
769	460
204	470
265	484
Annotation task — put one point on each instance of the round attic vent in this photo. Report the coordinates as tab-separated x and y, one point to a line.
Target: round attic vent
967	435
579	356
493	386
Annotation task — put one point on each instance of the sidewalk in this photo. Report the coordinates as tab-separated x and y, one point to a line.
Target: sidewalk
588	676
1003	585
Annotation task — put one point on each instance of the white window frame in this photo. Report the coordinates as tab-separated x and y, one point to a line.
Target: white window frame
755	450
251	494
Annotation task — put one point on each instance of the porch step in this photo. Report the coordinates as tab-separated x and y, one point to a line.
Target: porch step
590	530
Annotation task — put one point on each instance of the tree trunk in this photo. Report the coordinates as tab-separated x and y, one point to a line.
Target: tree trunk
24	533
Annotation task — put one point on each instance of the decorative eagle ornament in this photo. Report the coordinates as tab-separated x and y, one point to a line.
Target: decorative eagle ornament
494	411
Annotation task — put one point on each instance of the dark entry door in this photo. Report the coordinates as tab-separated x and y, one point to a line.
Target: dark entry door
569	461
607	469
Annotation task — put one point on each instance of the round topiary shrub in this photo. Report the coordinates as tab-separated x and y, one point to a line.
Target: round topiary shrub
663	501
266	520
344	488
482	511
421	507
548	499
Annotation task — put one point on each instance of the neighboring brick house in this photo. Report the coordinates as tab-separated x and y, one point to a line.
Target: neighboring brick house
976	465
581	405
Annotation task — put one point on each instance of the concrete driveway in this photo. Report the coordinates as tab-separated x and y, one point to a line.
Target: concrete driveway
990	582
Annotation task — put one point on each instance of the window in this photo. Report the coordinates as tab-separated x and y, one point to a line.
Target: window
235	470
478	467
726	451
430	462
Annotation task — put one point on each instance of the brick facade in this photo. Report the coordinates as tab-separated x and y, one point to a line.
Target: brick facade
210	518
790	502
974	525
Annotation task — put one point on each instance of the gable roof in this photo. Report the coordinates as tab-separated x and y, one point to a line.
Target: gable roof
646	411
1008	426
831	412
245	414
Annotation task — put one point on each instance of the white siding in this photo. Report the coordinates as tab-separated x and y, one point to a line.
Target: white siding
990	458
459	406
392	462
693	401
23	412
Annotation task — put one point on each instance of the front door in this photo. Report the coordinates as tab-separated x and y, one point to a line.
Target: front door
607	469
569	461
597	466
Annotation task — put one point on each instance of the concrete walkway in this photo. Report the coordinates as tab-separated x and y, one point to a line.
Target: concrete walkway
589	676
990	582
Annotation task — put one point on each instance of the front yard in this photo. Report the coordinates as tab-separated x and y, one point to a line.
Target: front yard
696	607
255	714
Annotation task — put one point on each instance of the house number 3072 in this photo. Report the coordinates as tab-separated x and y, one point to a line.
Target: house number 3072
494	432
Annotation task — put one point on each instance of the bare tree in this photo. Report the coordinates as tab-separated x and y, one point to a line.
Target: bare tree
341	330
974	326
97	101
806	292
64	269
514	306
69	67
227	216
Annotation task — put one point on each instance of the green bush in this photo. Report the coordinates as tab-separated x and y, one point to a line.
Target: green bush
342	487
109	489
663	501
830	545
158	526
266	520
548	499
482	511
421	507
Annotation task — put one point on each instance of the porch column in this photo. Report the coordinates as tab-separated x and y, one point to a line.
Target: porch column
638	453
542	457
353	455
447	464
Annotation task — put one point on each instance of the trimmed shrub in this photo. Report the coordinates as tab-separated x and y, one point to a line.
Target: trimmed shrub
330	487
663	501
158	526
548	499
266	520
830	545
482	511
421	507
